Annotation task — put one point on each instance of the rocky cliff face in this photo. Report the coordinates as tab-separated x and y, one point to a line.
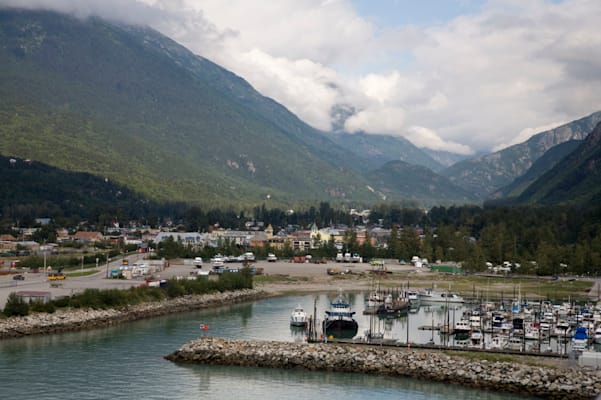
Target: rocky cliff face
574	180
483	175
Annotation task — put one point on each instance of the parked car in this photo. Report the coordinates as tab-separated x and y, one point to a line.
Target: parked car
271	257
19	277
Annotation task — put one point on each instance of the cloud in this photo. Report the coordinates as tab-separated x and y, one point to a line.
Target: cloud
474	82
424	137
385	120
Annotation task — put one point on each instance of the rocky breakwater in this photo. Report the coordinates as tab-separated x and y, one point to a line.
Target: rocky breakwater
519	378
78	319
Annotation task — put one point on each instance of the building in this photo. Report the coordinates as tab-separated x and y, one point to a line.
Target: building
87	237
187	238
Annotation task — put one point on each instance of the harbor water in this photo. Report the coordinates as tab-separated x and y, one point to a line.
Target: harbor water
126	361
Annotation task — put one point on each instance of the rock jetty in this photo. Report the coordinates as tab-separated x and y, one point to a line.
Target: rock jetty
519	378
78	319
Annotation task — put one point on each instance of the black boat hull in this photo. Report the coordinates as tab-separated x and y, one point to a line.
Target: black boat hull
340	329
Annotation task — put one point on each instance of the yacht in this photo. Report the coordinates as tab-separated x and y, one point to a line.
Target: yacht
298	317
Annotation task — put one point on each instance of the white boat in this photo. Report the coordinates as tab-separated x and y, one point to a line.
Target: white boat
562	329
476	337
532	332
414	301
433	296
498	342
515	343
298	317
597	337
462	326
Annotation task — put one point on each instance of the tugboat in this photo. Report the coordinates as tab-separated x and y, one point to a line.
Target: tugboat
339	322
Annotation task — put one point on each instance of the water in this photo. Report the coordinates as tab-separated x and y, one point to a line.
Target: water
126	362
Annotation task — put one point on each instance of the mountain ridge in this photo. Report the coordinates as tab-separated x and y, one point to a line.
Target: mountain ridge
483	175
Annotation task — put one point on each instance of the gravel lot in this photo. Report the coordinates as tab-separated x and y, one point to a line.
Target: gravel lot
316	274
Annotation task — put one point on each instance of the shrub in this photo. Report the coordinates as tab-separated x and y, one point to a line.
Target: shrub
15	306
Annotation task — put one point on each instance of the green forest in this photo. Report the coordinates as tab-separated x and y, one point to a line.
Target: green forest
534	240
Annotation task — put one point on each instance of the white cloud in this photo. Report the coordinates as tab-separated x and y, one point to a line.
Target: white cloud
474	82
424	137
385	120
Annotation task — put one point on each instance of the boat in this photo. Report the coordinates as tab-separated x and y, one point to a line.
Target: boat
462	327
414	301
562	329
433	296
532	332
498	342
515	343
597	337
476	338
580	339
339	322
298	317
393	306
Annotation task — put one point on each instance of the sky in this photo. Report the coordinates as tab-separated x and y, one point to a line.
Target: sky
465	76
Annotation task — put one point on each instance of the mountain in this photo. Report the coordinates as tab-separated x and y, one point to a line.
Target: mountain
130	104
379	149
542	165
31	188
574	180
417	183
483	175
444	158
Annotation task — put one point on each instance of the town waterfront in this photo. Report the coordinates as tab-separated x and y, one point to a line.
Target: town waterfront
126	361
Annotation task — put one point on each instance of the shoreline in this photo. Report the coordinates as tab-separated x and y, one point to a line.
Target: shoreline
69	320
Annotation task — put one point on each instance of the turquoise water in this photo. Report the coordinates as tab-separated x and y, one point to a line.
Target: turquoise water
126	362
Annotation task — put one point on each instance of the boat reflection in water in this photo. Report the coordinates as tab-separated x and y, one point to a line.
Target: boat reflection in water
339	322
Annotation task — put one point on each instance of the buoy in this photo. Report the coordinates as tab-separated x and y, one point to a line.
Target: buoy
204	327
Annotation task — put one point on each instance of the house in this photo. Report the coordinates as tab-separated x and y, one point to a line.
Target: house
87	237
7	237
187	238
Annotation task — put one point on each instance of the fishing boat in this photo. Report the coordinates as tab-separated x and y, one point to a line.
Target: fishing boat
393	306
298	317
339	322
